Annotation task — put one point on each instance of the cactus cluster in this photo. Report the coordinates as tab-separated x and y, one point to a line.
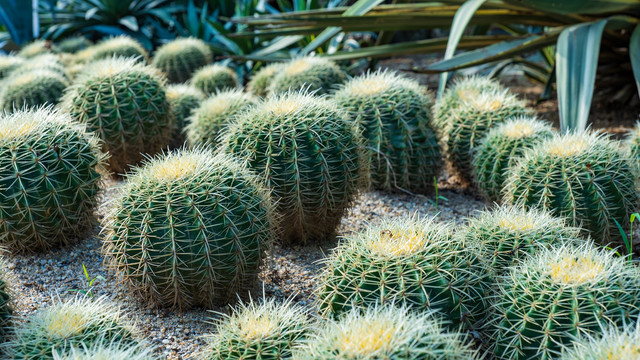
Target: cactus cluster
119	46
103	350
214	114
386	333
612	344
63	326
407	261
213	78
189	229
559	294
309	153
35	48
582	176
72	45
182	99
259	83
31	89
471	121
265	331
394	116
500	149
311	73
125	103
179	58
49	171
8	63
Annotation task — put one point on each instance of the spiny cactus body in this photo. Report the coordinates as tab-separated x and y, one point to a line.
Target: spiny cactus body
179	58
394	117
6	307
35	48
214	114
632	143
385	333
65	325
103	350
309	153
183	99
580	176
190	229
558	294
612	344
259	83
500	149
50	62
72	45
213	78
8	63
407	261
49	169
312	73
31	89
265	331
120	46
124	102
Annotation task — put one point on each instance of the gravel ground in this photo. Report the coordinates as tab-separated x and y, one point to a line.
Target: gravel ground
288	272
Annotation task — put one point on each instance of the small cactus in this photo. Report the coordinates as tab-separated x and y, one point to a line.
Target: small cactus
507	234
72	45
50	169
183	99
8	63
407	261
309	153
632	143
311	73
124	102
179	58
65	325
213	78
190	229
119	46
6	297
385	333
265	331
558	294
214	114
500	148
31	89
580	176
472	120
50	62
35	48
393	115
103	350
612	344
259	83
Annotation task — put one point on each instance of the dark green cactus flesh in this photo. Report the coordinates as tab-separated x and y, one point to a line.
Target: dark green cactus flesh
31	89
260	81
472	120
190	229
72	45
583	177
311	73
182	99
500	149
48	179
559	294
125	104
179	58
394	116
309	153
213	78
411	262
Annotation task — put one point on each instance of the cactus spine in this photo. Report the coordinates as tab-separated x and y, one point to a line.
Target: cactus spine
35	48
31	89
6	307
260	81
311	73
612	344
182	99
179	58
106	351
213	78
119	46
8	63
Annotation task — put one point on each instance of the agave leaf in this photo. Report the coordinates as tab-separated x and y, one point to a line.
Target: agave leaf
578	6
634	53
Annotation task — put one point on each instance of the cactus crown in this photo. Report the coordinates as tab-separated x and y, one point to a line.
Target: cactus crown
611	344
35	48
213	78
123	46
8	63
374	83
73	45
32	89
175	92
312	73
179	58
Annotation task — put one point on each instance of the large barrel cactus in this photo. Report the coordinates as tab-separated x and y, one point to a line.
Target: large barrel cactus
125	103
49	177
190	229
179	58
31	89
309	153
411	262
182	99
581	176
558	294
312	73
394	116
119	46
612	344
259	83
213	78
500	149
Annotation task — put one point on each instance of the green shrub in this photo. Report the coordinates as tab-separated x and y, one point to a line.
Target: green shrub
35	48
183	100
119	46
8	63
311	73
31	89
213	78
179	58
394	117
72	45
259	83
613	344
190	229
309	153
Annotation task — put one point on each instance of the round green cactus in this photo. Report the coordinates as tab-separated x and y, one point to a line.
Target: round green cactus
183	99
65	325
259	83
311	73
8	63
386	333
50	62
35	48
119	46
560	293
507	234
6	308
613	344
407	261
125	103
500	148
72	45
632	143
581	176
394	117
102	350
31	89
179	58
49	166
472	120
265	331
309	153
190	229
214	114
213	78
